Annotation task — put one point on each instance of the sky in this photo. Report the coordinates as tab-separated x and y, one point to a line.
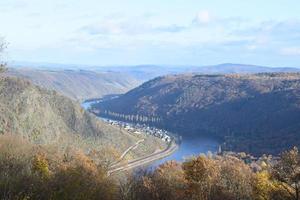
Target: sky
165	32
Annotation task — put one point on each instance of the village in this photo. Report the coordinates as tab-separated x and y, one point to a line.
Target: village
141	129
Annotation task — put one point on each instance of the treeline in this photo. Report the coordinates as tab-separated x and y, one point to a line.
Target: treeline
132	118
35	172
218	178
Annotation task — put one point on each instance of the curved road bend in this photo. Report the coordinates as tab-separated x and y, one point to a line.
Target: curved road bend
172	147
126	152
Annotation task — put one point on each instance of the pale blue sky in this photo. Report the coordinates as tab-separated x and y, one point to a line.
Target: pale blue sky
174	32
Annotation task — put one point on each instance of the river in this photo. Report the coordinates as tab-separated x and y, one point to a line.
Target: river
187	148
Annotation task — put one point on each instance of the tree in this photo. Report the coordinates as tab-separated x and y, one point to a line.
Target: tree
201	174
263	186
30	172
79	178
266	188
236	178
17	180
3	46
40	166
168	182
287	172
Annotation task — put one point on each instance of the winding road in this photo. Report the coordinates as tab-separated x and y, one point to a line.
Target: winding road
172	147
126	152
118	166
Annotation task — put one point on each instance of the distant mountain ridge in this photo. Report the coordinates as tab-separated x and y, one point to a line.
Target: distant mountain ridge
258	113
78	84
228	68
147	72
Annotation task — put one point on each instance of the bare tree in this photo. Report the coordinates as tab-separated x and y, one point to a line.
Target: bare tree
287	172
3	46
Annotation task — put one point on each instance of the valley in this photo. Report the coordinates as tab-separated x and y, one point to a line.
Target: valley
77	84
178	149
136	129
149	100
239	110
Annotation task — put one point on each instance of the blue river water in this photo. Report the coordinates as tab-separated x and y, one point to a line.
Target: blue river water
87	104
187	148
191	147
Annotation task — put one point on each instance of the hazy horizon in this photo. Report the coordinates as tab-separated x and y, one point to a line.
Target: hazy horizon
199	33
74	65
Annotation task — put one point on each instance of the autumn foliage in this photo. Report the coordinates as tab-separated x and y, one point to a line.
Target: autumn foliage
217	178
30	171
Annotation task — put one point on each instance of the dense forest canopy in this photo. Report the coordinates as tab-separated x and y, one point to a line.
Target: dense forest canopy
257	113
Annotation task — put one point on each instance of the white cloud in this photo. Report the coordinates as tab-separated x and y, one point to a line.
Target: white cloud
290	51
90	28
252	47
138	25
204	17
118	26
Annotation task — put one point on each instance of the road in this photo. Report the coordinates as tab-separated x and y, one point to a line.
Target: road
126	152
172	147
118	166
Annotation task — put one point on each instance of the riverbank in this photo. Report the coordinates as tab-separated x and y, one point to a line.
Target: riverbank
187	147
123	164
145	160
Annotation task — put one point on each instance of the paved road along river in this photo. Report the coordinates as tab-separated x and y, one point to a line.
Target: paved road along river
187	148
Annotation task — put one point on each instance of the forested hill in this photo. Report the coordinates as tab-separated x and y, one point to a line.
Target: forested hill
78	84
257	113
47	118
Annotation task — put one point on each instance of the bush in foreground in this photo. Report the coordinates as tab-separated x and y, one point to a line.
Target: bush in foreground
29	172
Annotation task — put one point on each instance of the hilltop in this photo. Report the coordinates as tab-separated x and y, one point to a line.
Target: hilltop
251	112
